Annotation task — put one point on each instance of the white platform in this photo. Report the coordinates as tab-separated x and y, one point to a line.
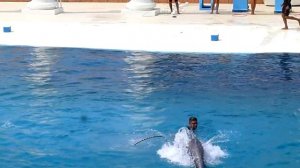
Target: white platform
103	26
149	13
43	12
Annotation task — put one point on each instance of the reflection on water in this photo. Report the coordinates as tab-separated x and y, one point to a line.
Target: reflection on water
284	63
40	71
140	86
139	67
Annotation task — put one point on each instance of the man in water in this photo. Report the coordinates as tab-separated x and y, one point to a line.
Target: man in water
193	123
193	145
191	128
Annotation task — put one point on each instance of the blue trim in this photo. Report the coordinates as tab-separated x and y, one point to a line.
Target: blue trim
240	10
202	6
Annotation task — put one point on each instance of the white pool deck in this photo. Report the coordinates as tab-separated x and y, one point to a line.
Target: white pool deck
104	26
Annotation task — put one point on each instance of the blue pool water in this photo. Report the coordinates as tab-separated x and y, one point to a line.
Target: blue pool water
86	108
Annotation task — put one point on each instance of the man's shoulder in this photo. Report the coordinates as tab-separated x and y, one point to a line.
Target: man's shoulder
182	129
185	130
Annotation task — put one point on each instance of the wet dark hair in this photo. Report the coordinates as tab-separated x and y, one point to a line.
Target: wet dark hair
192	119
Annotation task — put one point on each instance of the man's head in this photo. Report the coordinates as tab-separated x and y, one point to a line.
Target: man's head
193	123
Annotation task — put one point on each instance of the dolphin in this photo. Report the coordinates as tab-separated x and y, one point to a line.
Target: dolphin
196	151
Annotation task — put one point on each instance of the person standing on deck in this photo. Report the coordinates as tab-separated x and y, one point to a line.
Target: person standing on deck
171	6
215	3
253	6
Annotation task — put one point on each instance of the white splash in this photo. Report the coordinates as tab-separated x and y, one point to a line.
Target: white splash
212	152
177	151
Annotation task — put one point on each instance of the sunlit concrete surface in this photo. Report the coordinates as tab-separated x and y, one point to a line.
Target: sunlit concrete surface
104	26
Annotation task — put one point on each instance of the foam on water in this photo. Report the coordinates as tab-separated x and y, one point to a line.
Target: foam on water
7	124
177	152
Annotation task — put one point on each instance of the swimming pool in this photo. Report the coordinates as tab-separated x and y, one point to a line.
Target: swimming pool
66	107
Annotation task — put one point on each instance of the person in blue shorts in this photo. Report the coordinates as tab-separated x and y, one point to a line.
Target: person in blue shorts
286	9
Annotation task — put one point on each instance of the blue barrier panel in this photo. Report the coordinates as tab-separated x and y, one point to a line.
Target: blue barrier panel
214	37
278	7
240	6
203	6
6	29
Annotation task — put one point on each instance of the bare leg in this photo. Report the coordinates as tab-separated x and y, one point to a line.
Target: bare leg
213	6
253	6
284	21
292	18
170	4
217	6
177	6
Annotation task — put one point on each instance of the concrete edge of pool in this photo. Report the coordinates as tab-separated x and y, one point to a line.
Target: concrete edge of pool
106	28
